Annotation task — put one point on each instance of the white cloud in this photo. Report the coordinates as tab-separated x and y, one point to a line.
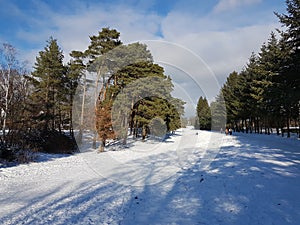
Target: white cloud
224	50
222	47
73	31
222	44
225	5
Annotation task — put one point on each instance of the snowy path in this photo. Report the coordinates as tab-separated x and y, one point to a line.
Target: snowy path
188	179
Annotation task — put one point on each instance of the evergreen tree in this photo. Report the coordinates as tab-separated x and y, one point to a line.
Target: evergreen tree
174	117
106	40
204	114
291	66
77	74
47	79
268	91
249	107
231	93
71	81
148	96
118	67
218	113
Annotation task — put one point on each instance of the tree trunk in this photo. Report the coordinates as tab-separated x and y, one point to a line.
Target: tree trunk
236	126
288	126
125	125
257	125
97	97
277	128
94	145
144	133
60	124
102	145
299	126
7	83
265	125
132	114
71	131
79	137
243	125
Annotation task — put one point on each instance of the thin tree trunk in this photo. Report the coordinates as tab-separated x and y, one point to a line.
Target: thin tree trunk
102	145
6	102
71	131
299	125
144	133
79	137
125	130
265	125
98	98
60	124
288	126
243	126
277	128
237	127
131	118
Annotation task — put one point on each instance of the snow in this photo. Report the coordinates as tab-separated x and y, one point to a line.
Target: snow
209	178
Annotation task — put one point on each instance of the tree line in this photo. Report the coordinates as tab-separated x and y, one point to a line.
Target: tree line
37	110
36	107
266	94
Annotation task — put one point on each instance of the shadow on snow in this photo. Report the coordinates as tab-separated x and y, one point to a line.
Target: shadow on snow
248	183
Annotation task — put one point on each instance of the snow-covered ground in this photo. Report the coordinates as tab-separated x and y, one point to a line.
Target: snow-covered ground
207	178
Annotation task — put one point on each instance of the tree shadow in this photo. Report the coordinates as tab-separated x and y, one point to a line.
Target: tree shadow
249	182
255	183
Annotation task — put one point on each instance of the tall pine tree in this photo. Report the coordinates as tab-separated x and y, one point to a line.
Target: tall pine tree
291	67
47	79
203	114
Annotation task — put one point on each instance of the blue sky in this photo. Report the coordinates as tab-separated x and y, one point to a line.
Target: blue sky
223	33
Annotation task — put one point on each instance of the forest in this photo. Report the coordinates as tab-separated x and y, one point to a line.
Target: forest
266	93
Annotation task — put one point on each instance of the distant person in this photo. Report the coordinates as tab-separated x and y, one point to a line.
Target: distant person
221	130
226	131
230	131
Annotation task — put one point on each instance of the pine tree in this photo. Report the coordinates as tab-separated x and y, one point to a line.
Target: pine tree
231	95
266	93
77	77
291	66
106	40
148	96
270	93
204	114
47	79
218	113
71	81
249	108
121	103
